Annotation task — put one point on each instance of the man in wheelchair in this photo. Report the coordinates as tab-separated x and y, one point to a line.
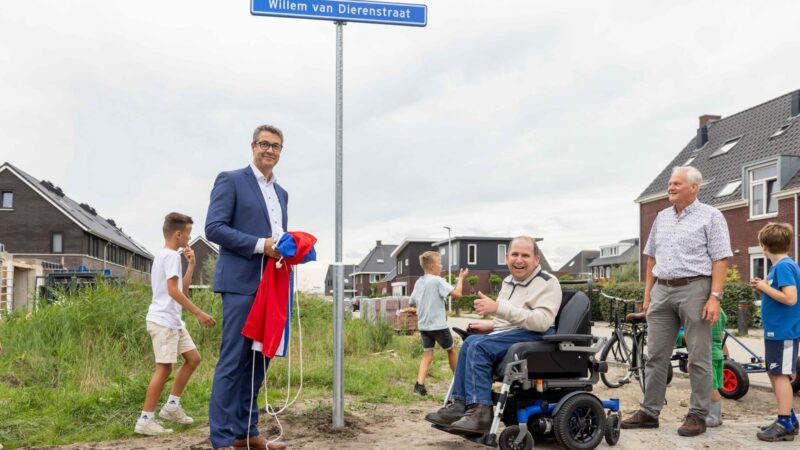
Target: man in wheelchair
525	310
540	367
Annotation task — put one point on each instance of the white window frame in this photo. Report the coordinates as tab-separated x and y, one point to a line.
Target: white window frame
767	265
455	261
729	188
501	254
726	147
399	267
763	182
3	199
474	259
60	242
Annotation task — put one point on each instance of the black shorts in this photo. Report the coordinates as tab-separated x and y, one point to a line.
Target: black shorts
431	337
781	356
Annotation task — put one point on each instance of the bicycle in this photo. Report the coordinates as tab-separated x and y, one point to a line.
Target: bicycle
624	353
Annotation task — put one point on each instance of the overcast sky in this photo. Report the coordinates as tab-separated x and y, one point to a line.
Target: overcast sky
499	118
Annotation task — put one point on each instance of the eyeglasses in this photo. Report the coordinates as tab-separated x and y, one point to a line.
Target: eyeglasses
265	145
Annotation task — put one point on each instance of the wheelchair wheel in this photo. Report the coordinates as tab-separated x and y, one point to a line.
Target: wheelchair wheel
735	382
613	424
509	435
618	358
580	423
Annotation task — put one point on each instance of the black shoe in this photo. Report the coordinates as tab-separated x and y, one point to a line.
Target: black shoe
775	432
419	389
447	414
477	419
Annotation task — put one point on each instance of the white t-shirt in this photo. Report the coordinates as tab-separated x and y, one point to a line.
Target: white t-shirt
164	310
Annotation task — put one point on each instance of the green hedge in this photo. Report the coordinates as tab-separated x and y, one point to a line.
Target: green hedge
734	293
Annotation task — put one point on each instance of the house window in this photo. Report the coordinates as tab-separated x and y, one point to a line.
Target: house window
729	188
726	147
8	200
759	266
406	262
472	254
501	254
379	261
781	130
455	257
763	182
56	243
399	267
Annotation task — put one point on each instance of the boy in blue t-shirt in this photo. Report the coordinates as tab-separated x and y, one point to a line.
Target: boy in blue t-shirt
780	315
430	292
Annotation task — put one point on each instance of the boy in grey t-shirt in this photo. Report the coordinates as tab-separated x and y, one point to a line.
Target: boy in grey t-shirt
429	295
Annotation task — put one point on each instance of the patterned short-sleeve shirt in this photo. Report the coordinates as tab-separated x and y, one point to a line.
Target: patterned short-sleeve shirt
685	244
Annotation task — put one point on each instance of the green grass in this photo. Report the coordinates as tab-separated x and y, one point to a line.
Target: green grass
77	370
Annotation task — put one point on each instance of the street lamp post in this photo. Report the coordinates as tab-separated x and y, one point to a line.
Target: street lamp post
449	268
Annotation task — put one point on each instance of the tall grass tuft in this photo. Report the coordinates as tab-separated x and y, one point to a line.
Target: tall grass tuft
77	370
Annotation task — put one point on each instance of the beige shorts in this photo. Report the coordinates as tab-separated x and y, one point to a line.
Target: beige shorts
168	343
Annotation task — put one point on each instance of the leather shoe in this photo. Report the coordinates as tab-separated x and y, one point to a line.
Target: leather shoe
477	419
257	443
639	419
692	426
448	414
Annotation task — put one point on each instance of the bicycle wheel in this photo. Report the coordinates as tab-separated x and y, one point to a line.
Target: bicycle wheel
617	355
639	360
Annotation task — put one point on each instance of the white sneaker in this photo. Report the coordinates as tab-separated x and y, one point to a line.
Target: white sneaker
175	414
150	428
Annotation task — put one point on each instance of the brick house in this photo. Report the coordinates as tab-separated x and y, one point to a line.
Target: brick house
407	268
483	256
203	251
348	280
39	222
373	269
750	163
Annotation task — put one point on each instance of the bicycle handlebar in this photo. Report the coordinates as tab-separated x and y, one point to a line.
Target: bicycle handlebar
618	299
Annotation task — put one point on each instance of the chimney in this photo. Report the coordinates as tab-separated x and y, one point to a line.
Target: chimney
377	243
702	132
795	103
706	118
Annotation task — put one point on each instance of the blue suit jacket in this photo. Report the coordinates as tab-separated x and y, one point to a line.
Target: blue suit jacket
237	217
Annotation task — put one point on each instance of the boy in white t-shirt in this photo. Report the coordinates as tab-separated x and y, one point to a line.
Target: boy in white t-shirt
167	330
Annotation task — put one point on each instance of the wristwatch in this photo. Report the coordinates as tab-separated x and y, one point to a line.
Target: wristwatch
718	295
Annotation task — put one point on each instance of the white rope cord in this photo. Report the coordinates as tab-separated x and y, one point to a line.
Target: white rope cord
271	411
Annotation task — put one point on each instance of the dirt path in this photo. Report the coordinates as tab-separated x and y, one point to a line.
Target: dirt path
400	427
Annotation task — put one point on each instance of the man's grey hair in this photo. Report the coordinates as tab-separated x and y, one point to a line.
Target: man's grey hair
525	238
268	129
693	176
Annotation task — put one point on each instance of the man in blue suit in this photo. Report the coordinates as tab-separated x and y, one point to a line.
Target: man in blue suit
246	216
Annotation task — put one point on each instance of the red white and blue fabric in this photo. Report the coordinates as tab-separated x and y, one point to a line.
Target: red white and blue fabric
270	316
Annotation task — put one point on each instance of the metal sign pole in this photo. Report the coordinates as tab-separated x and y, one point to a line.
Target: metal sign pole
338	289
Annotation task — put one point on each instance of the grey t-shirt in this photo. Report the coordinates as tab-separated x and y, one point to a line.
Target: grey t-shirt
429	295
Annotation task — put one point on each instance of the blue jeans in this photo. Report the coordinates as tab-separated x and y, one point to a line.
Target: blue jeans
235	378
480	352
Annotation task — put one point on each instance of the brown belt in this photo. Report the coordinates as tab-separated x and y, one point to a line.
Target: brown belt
679	281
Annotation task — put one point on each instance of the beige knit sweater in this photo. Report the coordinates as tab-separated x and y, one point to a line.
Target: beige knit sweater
531	304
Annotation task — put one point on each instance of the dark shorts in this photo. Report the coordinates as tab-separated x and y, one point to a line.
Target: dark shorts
781	356
430	338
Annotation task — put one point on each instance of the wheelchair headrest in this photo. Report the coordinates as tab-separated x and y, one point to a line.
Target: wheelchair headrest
574	314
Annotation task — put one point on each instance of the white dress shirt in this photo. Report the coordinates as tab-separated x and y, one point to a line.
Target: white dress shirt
274	209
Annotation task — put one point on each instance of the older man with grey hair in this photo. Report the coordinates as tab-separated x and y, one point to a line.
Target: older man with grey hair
687	252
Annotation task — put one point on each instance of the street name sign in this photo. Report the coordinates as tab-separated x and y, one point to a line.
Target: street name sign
344	11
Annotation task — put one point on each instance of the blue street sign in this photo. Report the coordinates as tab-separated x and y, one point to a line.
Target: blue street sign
344	10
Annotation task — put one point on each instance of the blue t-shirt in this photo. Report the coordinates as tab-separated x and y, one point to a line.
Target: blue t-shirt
781	322
429	294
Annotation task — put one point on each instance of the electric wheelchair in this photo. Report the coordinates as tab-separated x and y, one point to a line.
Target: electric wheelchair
547	384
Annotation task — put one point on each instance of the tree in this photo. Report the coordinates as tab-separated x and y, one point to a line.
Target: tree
472	281
626	272
494	281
